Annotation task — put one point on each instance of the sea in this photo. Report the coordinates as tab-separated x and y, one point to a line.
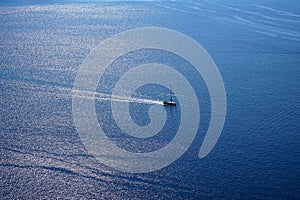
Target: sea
44	150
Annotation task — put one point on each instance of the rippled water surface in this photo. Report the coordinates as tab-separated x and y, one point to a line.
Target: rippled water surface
256	46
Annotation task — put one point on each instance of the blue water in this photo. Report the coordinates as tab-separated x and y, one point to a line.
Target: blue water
256	46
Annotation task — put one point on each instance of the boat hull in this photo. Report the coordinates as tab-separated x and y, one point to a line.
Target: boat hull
169	103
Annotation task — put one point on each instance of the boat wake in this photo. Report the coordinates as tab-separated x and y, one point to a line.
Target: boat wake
109	97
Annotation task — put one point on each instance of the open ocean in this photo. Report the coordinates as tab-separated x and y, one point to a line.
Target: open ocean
256	47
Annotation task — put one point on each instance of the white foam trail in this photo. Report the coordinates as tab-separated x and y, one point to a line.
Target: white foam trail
200	9
268	28
279	12
257	14
177	9
274	24
260	28
109	97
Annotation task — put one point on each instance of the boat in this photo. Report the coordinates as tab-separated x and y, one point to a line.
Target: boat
170	102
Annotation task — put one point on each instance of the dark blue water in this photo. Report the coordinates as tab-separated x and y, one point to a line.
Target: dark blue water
256	46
